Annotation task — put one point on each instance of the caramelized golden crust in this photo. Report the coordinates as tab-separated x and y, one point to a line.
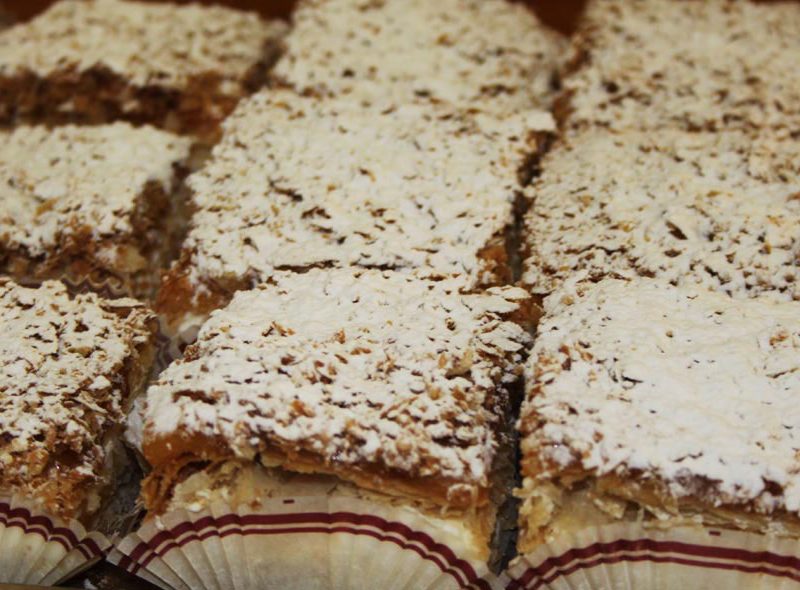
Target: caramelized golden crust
69	369
182	297
173	454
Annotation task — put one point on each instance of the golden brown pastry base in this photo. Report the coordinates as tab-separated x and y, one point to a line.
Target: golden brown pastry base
98	95
178	297
172	455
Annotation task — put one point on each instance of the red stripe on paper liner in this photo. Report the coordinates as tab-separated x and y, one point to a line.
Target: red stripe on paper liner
305	523
22	518
649	550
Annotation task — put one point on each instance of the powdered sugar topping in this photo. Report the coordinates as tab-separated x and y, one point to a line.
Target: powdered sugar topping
55	183
300	181
719	210
486	54
686	386
147	43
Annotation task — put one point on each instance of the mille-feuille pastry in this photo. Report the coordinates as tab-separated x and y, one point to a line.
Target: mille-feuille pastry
660	437
704	65
390	389
69	369
182	68
301	181
489	55
714	209
97	206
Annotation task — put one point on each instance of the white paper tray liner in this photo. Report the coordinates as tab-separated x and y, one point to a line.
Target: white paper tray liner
308	543
36	548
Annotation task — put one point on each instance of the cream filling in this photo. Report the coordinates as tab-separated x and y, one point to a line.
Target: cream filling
549	511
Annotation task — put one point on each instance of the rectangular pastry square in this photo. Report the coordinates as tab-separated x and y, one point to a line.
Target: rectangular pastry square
660	405
301	181
397	384
714	209
69	370
490	55
705	65
94	205
183	68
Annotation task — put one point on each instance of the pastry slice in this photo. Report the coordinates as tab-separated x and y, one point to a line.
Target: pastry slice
182	68
711	65
388	388
719	210
488	55
70	368
300	182
661	408
99	206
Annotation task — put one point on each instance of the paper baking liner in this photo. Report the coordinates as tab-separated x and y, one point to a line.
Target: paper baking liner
36	548
302	543
632	557
104	284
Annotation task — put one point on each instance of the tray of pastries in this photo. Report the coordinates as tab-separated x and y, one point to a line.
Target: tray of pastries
400	294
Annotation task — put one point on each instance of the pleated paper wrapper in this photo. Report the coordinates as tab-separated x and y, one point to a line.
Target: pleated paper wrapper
299	543
36	548
104	284
632	557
